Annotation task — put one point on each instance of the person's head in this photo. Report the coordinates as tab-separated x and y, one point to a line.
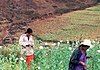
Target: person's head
84	47
86	44
29	32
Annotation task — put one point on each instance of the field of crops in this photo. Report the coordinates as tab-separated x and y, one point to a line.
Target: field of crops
48	58
70	26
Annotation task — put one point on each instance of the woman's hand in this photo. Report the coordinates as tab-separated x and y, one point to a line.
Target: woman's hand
82	63
88	57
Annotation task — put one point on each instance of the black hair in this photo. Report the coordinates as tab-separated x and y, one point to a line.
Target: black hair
29	30
82	45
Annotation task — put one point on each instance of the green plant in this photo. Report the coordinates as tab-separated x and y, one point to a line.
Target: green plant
55	58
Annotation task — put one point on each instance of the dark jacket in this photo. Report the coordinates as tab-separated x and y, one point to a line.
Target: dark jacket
74	60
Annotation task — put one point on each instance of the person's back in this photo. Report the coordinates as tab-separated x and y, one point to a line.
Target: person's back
25	41
74	60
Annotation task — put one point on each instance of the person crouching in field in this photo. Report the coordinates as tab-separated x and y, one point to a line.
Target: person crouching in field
78	58
27	43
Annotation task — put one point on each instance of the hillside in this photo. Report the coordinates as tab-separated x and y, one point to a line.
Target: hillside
16	15
75	25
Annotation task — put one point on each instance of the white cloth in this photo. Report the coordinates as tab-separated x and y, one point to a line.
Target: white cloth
24	40
87	42
28	51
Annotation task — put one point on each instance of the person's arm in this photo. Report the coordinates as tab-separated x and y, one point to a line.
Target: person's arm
21	40
88	57
82	63
32	42
75	57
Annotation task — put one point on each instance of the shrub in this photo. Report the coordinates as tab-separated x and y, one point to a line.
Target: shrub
61	10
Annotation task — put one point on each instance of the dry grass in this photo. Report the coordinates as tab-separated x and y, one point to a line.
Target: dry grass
74	25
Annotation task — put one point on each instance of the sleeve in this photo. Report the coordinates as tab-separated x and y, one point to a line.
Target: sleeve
31	41
75	57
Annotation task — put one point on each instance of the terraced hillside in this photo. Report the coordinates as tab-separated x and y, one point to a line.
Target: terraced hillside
16	15
74	25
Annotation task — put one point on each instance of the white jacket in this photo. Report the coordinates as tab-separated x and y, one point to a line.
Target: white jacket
24	40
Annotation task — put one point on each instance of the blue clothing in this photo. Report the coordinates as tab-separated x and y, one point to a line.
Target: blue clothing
83	59
75	58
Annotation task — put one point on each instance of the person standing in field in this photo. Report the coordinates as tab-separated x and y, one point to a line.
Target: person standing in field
27	43
78	58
